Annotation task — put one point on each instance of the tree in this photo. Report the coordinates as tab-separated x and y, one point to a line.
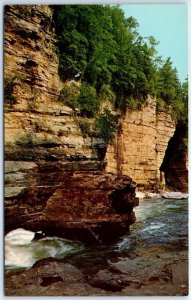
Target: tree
112	58
169	89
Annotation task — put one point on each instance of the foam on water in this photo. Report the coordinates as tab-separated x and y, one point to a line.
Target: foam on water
19	236
153	227
160	223
18	256
22	251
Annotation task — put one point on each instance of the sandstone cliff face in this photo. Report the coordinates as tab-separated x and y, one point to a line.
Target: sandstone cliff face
44	146
53	177
140	144
31	64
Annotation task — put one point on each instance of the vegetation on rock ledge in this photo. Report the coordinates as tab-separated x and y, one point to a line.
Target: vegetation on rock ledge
102	56
102	47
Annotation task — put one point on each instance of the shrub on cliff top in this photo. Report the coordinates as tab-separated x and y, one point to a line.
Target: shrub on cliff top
104	46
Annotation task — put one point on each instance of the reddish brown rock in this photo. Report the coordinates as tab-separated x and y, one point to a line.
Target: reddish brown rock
56	199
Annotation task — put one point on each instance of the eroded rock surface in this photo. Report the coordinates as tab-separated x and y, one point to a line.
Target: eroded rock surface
52	196
156	274
140	144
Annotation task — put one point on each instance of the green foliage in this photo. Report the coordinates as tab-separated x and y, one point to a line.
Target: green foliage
105	47
70	93
83	97
106	93
168	84
106	126
73	58
184	114
114	61
88	102
160	104
170	92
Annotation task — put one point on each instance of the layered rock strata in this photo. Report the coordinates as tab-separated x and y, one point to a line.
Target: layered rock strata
140	144
37	124
45	150
53	177
57	198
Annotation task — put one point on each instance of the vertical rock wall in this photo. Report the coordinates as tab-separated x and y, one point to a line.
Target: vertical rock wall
140	144
38	126
30	55
36	118
53	177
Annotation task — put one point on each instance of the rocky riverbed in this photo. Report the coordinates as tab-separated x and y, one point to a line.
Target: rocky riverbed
153	274
151	260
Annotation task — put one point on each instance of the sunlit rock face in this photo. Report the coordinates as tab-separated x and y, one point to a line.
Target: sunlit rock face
140	144
55	178
56	199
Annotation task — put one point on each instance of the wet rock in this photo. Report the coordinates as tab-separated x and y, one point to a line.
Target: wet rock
137	277
179	275
92	200
110	281
50	277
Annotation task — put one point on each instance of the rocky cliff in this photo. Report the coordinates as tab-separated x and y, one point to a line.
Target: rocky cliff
54	175
140	145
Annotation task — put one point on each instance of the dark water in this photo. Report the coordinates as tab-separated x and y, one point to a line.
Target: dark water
161	223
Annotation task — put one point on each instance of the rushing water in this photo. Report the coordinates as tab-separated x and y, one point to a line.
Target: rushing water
161	223
24	255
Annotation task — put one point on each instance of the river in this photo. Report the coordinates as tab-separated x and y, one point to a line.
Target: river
159	235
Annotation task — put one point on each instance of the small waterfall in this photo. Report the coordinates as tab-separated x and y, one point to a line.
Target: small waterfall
22	250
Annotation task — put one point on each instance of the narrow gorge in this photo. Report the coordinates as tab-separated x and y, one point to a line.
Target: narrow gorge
74	167
50	165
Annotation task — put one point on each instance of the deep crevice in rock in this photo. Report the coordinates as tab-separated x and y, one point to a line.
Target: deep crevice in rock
174	164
